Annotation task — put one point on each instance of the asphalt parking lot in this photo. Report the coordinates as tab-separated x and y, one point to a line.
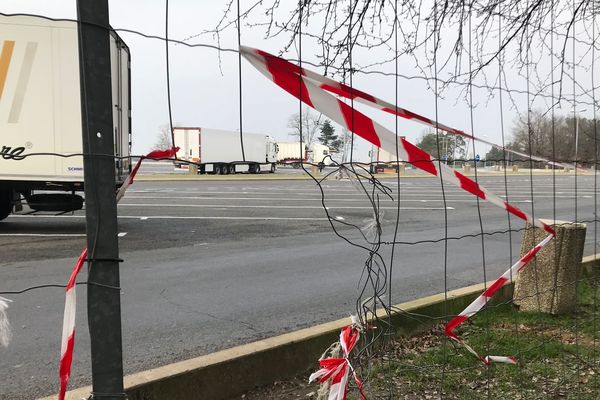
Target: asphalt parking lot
212	264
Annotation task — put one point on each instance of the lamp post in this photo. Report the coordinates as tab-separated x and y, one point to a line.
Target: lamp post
577	132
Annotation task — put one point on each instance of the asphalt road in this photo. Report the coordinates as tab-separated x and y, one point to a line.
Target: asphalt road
209	265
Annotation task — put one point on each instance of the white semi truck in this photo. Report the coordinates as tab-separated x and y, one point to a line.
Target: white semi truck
40	112
381	159
220	152
292	153
295	153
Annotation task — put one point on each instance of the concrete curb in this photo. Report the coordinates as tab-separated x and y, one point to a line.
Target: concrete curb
228	373
590	266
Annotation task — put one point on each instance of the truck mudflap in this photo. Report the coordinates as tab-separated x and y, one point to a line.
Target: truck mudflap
5	203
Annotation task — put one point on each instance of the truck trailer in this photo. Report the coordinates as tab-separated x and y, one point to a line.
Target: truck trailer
40	112
381	159
220	152
295	153
319	153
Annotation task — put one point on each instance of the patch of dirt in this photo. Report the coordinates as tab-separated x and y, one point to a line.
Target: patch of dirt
293	389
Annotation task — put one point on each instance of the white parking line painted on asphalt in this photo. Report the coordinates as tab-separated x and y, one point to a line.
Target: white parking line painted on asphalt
44	234
232	193
121	234
267	192
402	196
252	198
181	217
227	206
462	201
232	218
414	191
224	207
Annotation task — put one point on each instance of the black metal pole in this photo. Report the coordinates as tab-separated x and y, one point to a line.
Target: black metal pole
104	304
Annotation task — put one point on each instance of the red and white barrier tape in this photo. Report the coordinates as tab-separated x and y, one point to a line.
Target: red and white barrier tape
154	155
348	92
482	300
68	331
315	91
337	369
291	78
5	332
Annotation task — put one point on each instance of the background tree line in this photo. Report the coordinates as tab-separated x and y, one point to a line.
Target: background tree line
450	147
552	139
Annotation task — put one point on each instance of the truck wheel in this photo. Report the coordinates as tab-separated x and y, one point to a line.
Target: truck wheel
258	168
272	168
217	169
5	204
232	168
224	169
252	168
55	202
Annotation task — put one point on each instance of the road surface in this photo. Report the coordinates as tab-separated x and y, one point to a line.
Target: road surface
210	265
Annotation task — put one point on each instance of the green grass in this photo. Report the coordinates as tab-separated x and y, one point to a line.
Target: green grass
558	357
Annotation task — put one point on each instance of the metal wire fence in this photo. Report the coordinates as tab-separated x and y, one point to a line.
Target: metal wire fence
496	48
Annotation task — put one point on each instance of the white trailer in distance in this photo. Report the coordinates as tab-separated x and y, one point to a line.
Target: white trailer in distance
381	159
292	153
220	152
40	112
295	153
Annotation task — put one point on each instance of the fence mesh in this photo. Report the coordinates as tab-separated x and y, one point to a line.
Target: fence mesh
485	61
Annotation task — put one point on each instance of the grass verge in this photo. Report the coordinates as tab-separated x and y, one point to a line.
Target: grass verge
558	358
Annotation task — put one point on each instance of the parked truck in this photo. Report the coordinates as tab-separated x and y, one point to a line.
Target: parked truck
295	153
220	152
381	159
292	153
40	112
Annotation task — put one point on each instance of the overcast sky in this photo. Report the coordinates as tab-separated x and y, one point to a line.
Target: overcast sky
205	93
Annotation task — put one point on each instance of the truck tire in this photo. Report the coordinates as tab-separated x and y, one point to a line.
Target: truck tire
5	204
231	169
252	168
272	168
217	169
55	202
257	168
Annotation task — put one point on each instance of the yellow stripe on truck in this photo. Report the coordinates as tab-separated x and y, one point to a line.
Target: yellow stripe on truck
5	56
24	74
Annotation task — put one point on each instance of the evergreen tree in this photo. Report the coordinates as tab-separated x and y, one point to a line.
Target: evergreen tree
450	146
328	136
498	155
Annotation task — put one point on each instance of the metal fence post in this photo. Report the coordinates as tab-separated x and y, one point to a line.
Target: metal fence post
104	304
